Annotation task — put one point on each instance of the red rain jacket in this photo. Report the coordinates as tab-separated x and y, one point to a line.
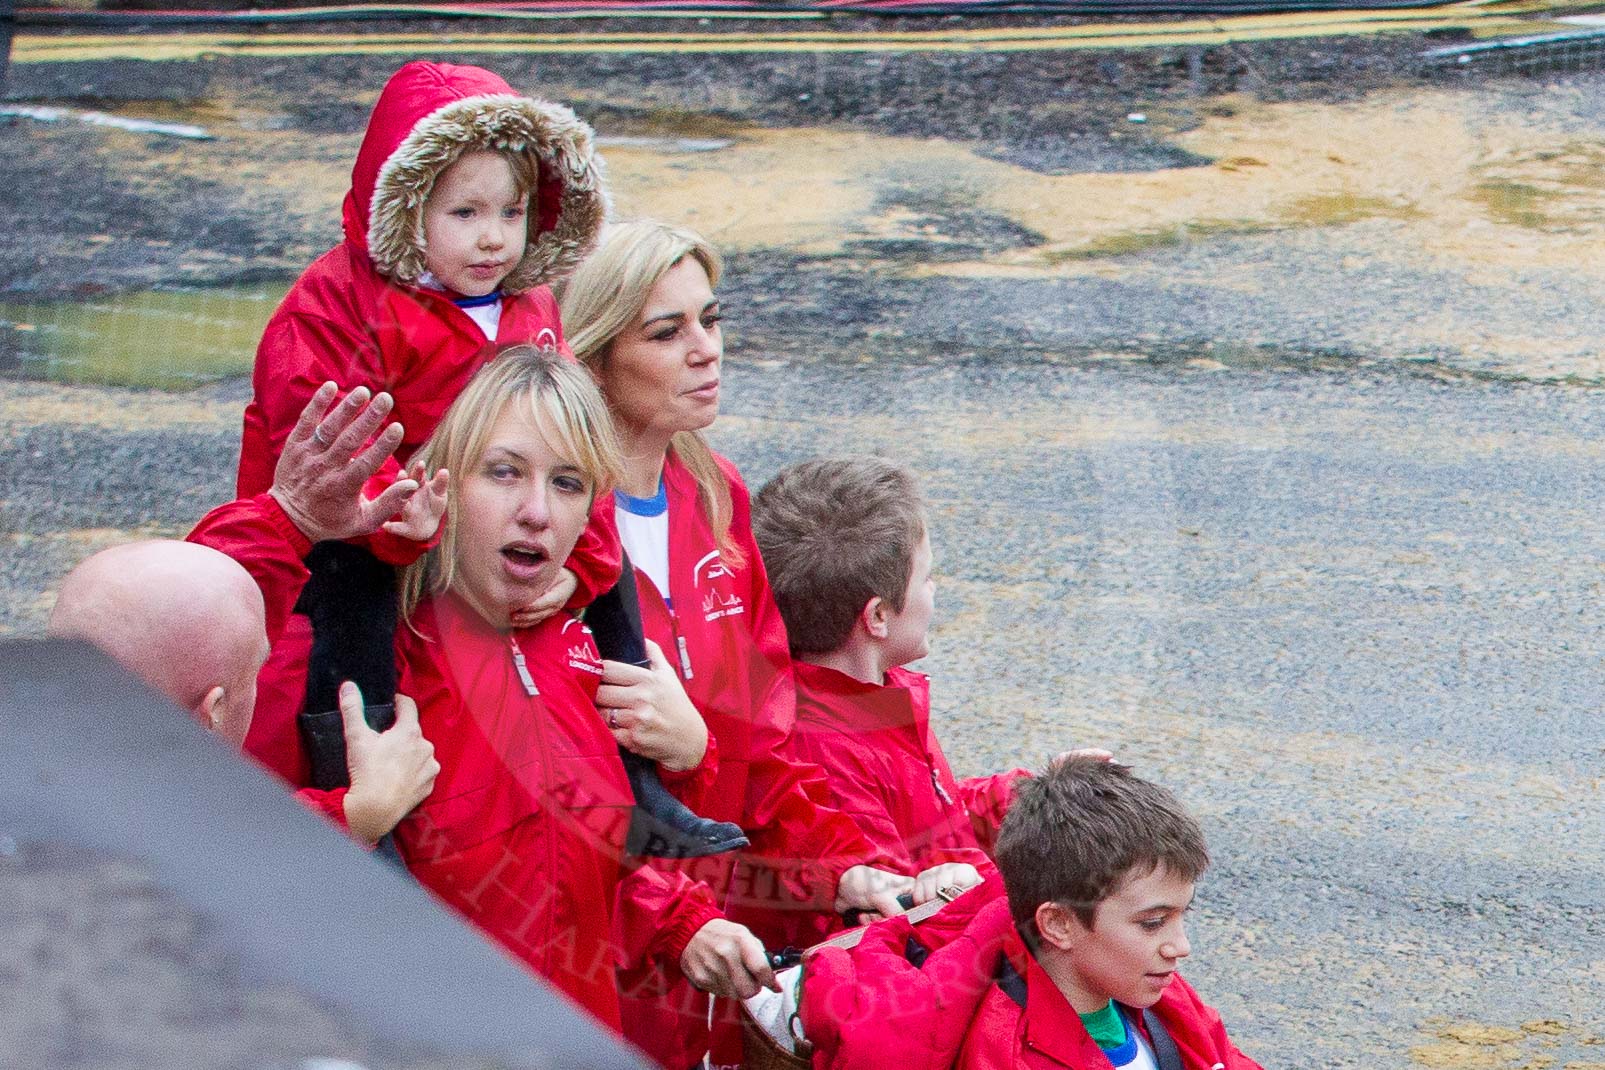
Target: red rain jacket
888	773
1047	1033
347	320
869	1007
524	831
725	638
257	533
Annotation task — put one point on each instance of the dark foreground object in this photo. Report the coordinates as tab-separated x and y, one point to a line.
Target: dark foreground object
164	903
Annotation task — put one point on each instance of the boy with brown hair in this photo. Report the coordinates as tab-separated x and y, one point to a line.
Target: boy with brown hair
1072	964
845	544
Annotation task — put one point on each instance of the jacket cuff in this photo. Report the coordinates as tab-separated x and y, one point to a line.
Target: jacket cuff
280	522
705	769
329	804
874	858
687	923
397	550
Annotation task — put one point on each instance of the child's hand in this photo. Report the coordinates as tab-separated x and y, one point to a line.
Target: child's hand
726	959
391	771
555	598
420	516
945	877
649	713
873	891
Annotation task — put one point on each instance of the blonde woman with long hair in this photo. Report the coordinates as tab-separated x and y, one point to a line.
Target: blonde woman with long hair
642	315
524	831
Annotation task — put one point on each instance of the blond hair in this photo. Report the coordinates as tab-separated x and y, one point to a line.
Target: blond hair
562	400
606	294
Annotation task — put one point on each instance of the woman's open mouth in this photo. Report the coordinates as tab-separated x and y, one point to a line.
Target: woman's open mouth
523	561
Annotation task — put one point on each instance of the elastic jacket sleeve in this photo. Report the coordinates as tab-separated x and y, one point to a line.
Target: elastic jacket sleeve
329	804
691	786
658	914
597	558
258	534
397	551
987	799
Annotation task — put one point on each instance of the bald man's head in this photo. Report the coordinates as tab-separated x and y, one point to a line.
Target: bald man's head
186	619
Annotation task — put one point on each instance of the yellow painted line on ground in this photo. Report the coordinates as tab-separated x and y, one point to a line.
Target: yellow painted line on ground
1482	18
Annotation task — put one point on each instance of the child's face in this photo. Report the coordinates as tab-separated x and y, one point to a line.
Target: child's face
1135	943
908	632
475	224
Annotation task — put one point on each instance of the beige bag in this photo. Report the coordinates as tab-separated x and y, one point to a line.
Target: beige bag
760	1051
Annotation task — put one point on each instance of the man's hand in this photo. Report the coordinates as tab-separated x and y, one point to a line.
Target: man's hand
873	891
649	713
726	959
320	475
555	598
391	771
956	875
420	517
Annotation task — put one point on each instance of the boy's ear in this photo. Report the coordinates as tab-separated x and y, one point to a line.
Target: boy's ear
875	617
1060	926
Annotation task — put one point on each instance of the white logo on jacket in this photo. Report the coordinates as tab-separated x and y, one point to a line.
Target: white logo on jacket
582	655
718	600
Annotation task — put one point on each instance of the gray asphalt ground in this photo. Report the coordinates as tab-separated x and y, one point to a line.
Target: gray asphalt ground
1336	587
1350	618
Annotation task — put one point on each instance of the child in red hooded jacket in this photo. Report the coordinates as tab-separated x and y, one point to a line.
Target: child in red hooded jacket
466	200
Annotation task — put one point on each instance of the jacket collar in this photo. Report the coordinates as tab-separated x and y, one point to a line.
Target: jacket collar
1051	1026
902	702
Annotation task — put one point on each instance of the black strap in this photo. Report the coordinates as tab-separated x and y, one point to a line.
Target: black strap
1165	1053
615	620
1012	983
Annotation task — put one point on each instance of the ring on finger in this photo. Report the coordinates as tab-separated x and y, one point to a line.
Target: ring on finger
612	718
317	436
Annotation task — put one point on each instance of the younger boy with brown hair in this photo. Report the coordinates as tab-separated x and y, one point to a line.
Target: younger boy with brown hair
1073	965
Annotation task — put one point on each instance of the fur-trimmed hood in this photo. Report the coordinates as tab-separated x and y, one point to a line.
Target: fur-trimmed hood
427	116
